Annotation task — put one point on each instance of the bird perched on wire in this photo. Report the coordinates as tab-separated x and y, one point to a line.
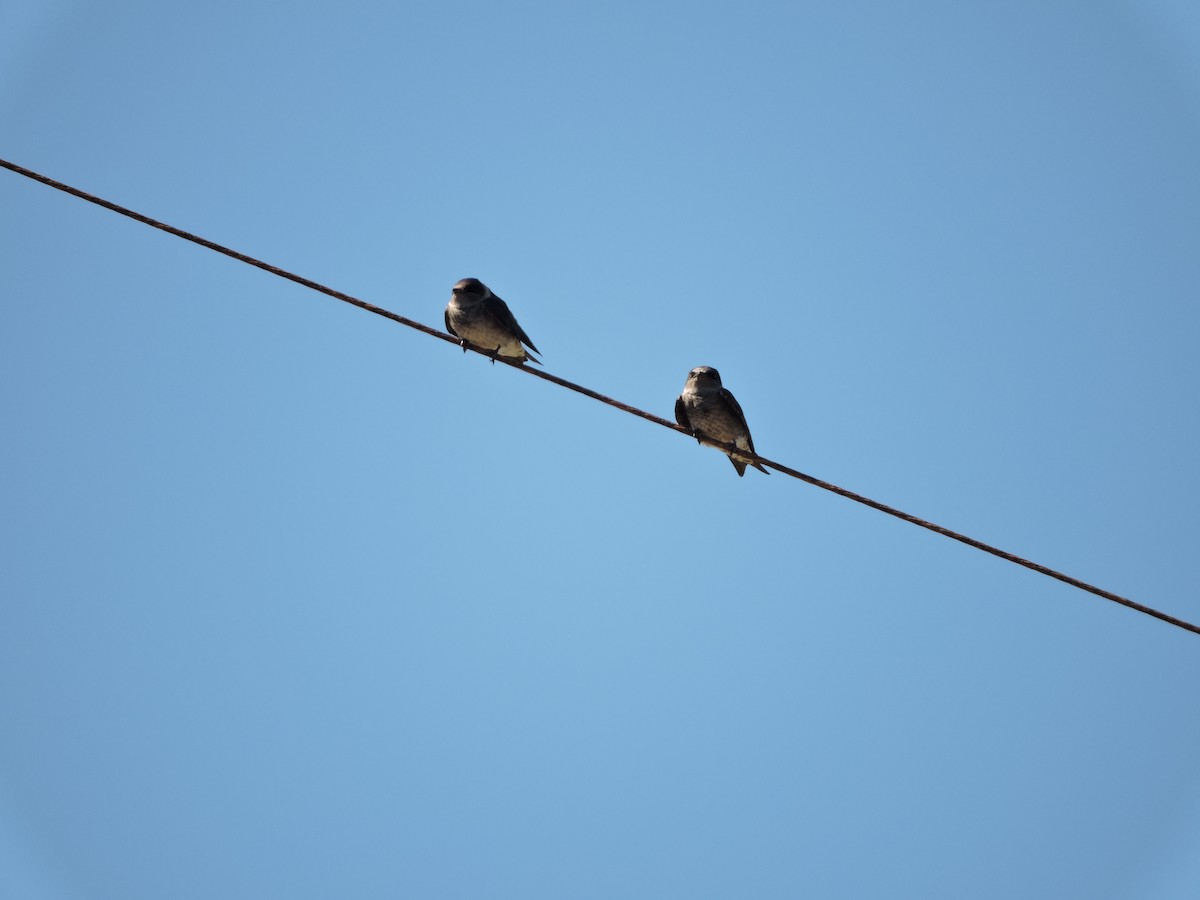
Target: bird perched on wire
708	410
478	317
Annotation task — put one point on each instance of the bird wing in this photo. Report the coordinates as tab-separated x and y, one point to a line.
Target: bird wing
736	408
681	415
449	327
502	315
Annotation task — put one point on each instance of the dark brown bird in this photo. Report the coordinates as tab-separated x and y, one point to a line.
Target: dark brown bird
708	410
478	317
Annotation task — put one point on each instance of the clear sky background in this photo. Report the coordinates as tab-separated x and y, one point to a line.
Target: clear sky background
300	603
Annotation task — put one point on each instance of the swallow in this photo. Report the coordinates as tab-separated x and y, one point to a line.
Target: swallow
708	410
478	317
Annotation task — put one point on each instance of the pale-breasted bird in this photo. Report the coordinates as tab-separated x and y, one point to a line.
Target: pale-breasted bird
476	316
708	410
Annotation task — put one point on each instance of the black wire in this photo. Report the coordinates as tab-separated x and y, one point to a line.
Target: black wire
562	382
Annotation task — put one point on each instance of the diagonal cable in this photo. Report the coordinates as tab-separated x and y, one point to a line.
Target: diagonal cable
595	395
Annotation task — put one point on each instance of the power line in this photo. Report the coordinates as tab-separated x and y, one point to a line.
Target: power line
562	382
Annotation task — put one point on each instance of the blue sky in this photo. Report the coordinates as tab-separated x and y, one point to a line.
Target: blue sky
298	602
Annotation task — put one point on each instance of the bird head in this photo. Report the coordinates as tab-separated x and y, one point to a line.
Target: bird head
704	376
469	291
